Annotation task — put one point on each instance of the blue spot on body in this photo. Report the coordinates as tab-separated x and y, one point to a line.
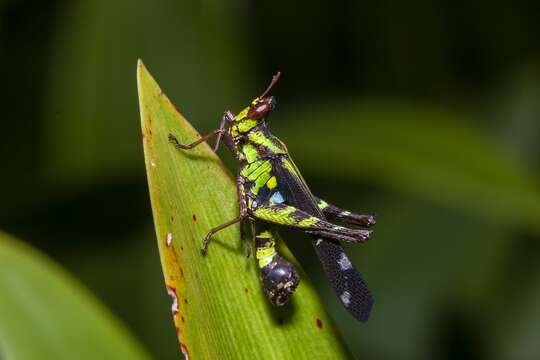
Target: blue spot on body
277	198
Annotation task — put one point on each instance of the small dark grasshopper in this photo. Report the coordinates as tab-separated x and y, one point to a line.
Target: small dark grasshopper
271	190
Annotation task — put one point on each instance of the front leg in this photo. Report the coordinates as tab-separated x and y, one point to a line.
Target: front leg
227	118
173	140
332	212
221	133
282	214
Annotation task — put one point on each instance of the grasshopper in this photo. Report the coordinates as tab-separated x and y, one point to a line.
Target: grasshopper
271	190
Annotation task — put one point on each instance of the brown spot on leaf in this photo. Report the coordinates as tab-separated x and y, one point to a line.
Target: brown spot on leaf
319	323
194	217
246	290
174	255
185	301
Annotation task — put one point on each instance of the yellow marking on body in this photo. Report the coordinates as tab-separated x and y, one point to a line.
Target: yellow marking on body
241	115
264	167
250	168
260	138
265	256
256	137
308	222
272	183
233	131
282	215
279	215
322	204
251	153
266	253
264	262
260	182
258	172
246	125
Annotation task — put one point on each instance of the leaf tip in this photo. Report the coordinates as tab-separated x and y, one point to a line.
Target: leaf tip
140	64
141	72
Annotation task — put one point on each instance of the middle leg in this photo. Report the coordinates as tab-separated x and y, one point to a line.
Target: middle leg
242	210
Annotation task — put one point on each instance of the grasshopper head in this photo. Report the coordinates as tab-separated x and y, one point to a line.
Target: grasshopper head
261	107
258	110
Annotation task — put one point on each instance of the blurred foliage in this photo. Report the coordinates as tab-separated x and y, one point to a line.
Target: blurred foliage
423	112
45	314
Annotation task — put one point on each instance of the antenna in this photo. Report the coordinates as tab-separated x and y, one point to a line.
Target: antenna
275	78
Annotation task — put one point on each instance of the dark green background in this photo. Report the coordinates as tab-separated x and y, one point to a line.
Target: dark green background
444	93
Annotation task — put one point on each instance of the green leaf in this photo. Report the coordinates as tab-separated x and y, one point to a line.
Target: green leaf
46	314
222	312
516	337
89	54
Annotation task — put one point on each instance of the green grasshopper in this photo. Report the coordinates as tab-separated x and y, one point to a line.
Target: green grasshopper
271	190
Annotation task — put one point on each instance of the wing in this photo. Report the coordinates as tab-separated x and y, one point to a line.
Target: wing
346	281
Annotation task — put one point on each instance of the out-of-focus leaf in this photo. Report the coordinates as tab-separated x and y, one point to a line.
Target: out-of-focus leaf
418	150
517	336
91	106
453	264
45	314
114	270
517	112
218	305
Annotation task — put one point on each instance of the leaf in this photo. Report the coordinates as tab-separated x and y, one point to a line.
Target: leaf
412	263
89	53
418	150
517	336
46	314
221	310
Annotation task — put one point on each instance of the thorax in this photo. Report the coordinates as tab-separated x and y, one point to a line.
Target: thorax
258	144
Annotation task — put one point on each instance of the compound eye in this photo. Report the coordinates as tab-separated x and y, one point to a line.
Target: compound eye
261	108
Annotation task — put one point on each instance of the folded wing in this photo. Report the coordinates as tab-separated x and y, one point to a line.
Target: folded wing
346	281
